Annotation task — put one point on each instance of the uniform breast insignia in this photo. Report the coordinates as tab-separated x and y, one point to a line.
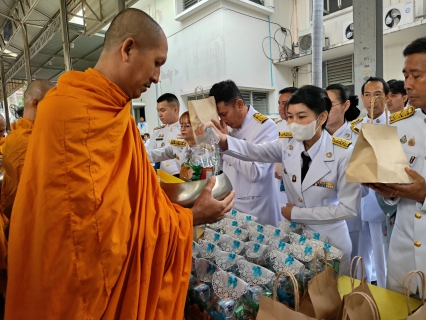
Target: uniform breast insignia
328	185
412	159
403	139
260	117
341	142
285	134
403	114
160	137
278	120
160	127
177	143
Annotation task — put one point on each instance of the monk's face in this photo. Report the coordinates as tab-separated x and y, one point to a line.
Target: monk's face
143	68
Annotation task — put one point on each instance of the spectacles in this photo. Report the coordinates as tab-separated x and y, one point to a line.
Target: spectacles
185	125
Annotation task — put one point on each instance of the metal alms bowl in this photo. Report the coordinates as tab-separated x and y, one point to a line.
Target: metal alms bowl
185	194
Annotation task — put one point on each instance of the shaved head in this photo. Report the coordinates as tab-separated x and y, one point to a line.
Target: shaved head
2	125
135	48
37	90
136	24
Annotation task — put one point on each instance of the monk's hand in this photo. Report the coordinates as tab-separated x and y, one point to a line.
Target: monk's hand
220	128
206	209
286	211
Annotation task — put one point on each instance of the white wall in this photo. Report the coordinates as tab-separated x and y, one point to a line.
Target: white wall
222	45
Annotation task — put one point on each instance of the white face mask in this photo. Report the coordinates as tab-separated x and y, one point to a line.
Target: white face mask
302	132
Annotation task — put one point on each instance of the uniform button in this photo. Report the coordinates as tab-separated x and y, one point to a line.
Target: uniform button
417	244
167	164
424	120
290	147
378	120
425	157
418	215
329	154
300	200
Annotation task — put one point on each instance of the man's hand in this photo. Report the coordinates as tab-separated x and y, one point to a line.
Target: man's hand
286	211
277	176
220	128
415	191
209	210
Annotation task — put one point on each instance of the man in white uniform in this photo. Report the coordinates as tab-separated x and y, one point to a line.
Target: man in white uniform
253	182
282	126
407	250
397	97
372	241
168	112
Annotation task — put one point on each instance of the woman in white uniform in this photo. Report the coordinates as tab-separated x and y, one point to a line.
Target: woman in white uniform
314	168
343	111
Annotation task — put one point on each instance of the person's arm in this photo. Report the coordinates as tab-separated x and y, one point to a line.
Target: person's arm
161	154
348	197
252	170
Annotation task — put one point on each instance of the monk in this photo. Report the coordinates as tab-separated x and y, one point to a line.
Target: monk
16	143
2	126
93	236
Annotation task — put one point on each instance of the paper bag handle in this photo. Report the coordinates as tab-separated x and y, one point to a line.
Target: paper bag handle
372	108
202	92
295	287
317	250
373	306
406	289
358	260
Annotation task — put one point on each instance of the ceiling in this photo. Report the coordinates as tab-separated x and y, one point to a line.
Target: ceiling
41	18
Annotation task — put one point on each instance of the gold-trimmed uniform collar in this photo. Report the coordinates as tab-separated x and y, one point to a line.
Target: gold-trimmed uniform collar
260	117
285	134
403	114
341	142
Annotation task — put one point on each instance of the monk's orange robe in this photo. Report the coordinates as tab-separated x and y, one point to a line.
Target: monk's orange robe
14	150
93	236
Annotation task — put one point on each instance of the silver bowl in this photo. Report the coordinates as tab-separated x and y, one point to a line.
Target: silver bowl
185	194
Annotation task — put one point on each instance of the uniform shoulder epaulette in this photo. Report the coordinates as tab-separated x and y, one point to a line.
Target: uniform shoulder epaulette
355	129
278	120
177	143
403	114
285	134
354	122
341	142
260	117
160	127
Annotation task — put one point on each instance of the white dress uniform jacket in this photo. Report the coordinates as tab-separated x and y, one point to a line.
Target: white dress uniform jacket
174	151
407	250
324	199
253	182
372	242
282	126
161	137
355	224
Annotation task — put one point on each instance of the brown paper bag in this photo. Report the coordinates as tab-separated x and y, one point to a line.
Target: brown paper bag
378	156
202	110
359	302
420	313
272	309
322	296
359	306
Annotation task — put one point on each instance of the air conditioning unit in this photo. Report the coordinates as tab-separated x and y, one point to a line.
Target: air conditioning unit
348	30
398	15
305	40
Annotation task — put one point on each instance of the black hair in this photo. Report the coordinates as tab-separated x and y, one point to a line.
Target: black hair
376	79
170	98
288	90
314	98
146	134
343	94
417	46
226	92
397	86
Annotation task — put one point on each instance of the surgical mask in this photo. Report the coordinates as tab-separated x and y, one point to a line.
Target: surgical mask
302	132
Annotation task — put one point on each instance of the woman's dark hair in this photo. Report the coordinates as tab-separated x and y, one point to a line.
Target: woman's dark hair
343	94
314	98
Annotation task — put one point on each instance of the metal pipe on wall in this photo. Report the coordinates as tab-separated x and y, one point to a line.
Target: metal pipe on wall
65	35
317	41
4	90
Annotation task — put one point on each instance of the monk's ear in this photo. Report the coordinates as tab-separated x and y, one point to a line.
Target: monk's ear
34	103
126	47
